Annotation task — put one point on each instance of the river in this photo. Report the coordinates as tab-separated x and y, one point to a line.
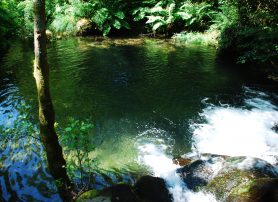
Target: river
149	101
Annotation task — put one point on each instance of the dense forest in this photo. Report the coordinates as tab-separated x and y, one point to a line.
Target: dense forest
248	28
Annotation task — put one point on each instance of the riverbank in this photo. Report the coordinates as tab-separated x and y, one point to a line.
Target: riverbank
245	31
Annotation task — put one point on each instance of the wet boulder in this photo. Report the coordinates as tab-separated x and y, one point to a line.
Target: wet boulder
152	189
258	190
181	161
119	192
232	178
275	126
147	189
201	171
236	174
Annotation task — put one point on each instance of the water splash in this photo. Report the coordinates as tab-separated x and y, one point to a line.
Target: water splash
156	158
239	131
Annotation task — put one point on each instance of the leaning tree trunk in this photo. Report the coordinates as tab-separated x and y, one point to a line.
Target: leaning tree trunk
48	136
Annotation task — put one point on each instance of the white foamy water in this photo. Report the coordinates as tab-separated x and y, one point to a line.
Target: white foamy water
227	130
238	131
155	157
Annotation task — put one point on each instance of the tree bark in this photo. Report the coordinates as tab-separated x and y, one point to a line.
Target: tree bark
48	136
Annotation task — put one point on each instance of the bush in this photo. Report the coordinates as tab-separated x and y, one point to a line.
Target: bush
8	14
171	16
77	144
250	44
252	32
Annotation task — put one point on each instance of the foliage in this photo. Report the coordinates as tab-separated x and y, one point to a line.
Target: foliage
226	16
167	15
66	15
251	44
8	12
252	33
77	144
105	20
104	16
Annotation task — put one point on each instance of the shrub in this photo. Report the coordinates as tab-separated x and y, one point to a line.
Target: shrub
170	16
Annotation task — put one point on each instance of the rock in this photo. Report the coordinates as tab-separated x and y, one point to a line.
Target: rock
196	174
49	34
123	193
88	196
228	177
147	189
152	189
259	190
275	126
200	172
119	192
84	27
227	180
182	161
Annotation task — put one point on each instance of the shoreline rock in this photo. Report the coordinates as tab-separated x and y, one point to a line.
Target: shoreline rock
242	179
146	189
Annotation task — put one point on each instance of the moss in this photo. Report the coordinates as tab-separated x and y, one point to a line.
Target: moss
264	189
88	195
222	184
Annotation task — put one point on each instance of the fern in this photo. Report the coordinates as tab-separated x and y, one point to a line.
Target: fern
106	20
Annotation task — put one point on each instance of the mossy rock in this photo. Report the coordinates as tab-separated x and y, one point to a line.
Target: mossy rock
258	190
120	192
236	174
88	195
222	184
147	189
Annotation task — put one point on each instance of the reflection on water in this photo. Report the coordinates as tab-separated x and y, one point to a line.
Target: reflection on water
23	174
140	93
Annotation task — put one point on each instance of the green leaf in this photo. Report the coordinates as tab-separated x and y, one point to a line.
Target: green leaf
157	25
68	129
157	9
106	30
125	25
117	24
184	15
101	16
120	15
152	19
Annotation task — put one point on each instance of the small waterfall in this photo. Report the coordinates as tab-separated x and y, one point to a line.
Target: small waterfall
154	156
225	130
239	131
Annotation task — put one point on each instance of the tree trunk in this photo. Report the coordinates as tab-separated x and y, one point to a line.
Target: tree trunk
48	136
